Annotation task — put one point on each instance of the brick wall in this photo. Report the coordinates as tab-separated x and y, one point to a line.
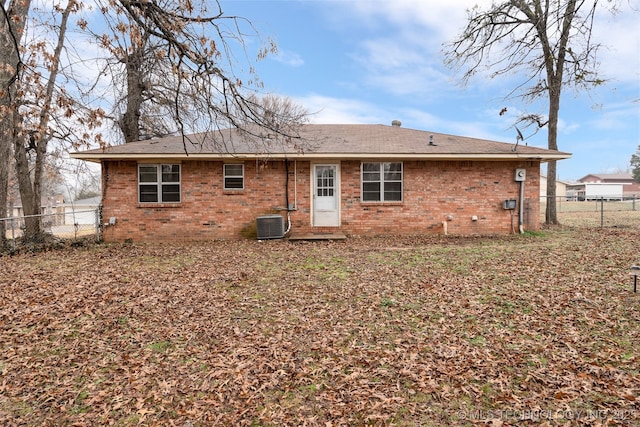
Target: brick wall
434	192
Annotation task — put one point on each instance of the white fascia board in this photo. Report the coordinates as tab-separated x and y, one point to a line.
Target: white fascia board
98	157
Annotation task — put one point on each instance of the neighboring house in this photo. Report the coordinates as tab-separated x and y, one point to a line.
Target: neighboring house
630	187
49	205
82	212
595	191
561	188
352	179
50	208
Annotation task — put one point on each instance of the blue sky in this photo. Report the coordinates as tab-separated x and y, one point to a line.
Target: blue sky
373	61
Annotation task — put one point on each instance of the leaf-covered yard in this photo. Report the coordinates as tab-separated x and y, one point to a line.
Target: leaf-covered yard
424	331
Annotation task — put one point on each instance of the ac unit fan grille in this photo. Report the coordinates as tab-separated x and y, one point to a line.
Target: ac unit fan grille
270	227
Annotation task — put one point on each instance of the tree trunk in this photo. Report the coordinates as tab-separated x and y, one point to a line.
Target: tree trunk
5	152
12	24
551	213
31	191
555	72
130	121
30	206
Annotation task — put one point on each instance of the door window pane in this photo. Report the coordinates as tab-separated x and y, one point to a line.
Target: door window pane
325	181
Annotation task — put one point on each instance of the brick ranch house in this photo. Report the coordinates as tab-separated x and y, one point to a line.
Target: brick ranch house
352	179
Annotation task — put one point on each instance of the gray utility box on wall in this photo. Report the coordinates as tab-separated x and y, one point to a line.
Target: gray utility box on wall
509	204
270	227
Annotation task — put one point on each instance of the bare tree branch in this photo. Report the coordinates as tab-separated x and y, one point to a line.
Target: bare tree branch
548	42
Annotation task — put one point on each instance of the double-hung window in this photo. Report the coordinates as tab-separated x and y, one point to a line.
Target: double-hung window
382	182
159	183
234	176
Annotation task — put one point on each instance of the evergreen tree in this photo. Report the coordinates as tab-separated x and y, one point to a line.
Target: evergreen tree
635	165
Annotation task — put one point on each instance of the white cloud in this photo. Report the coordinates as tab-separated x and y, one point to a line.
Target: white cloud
568	127
620	38
340	110
288	58
415	31
416	76
444	18
344	110
617	116
428	121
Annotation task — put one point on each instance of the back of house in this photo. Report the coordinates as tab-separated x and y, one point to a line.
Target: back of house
351	179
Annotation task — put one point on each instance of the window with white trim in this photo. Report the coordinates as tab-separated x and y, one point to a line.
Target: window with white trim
382	182
159	183
234	176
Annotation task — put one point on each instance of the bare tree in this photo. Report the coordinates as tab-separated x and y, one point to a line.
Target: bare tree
179	63
140	75
12	24
41	110
38	100
548	41
281	120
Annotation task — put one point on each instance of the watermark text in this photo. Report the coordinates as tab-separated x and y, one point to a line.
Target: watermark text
543	414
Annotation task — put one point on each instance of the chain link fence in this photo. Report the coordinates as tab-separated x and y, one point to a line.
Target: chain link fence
82	224
66	225
600	212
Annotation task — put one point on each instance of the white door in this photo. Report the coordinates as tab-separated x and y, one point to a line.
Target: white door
325	196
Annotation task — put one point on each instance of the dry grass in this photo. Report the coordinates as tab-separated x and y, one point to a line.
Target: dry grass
60	231
597	206
424	331
591	214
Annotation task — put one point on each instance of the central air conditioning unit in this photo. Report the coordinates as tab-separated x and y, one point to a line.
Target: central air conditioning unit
270	227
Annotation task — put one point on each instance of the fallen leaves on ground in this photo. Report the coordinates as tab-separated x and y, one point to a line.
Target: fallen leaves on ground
424	331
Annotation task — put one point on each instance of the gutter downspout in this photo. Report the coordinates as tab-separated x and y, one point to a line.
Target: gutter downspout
521	219
286	191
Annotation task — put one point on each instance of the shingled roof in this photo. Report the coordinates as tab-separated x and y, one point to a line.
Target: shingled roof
323	141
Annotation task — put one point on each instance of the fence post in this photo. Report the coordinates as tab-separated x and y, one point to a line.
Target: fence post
98	223
601	212
559	200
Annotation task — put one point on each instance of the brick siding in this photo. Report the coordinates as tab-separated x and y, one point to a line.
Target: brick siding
433	191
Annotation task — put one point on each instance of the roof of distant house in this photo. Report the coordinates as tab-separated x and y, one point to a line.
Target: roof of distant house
620	177
610	176
90	201
543	176
45	200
